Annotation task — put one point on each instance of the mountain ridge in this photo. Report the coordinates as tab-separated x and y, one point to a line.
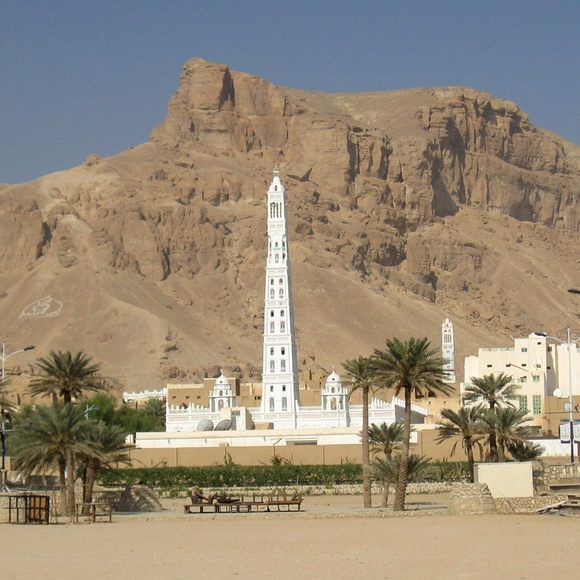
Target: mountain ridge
415	204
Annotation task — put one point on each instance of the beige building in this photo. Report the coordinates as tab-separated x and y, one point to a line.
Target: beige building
539	367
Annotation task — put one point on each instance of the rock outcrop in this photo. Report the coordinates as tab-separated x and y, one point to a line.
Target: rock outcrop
405	207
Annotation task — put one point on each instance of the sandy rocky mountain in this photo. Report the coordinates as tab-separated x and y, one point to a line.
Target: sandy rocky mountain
406	207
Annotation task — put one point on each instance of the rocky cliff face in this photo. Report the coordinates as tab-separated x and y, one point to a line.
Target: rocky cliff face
405	207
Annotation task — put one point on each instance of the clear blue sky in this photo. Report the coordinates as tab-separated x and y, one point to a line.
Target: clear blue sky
80	77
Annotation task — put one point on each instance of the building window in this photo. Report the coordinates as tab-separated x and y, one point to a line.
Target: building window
282	313
538	365
523	379
271	352
549	349
281	292
524	349
271	313
271	388
282	326
536	378
537	402
281	281
283	350
489	366
272	327
283	366
523	402
271	281
524	364
272	366
284	404
271	405
272	294
276	258
283	388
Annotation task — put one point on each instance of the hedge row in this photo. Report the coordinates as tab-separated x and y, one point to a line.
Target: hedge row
261	475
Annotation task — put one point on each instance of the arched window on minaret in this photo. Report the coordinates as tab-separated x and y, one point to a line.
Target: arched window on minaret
282	326
281	281
272	327
276	258
272	366
281	292
272	293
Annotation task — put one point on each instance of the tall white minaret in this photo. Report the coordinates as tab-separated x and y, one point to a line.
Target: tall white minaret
279	372
448	350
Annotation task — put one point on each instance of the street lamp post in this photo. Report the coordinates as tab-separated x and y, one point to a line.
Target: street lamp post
569	345
6	356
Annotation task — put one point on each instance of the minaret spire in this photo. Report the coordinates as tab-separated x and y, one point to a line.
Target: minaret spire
448	350
279	372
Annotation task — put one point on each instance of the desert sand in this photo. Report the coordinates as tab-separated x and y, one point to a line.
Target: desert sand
309	545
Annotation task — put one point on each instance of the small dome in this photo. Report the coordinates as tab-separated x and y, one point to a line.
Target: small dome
222	380
333	377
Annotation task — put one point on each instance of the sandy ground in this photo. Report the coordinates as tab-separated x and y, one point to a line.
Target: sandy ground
330	540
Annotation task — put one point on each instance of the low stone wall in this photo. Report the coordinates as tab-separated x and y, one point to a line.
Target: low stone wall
132	498
544	475
526	505
471	498
341	489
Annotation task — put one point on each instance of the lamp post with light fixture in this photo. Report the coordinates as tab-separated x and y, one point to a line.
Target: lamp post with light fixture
569	343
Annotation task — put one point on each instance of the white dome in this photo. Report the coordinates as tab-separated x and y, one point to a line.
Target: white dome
333	378
222	380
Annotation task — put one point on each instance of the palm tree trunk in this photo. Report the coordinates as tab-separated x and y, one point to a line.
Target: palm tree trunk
367	499
70	483
492	440
386	486
89	486
470	460
404	465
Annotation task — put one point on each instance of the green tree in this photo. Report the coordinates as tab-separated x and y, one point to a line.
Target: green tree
507	426
387	471
466	426
386	438
154	409
65	375
109	441
525	450
360	378
493	391
408	366
52	437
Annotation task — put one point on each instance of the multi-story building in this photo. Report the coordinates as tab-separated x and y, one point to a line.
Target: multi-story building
539	367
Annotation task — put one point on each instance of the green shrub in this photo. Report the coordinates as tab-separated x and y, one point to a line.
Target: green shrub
283	474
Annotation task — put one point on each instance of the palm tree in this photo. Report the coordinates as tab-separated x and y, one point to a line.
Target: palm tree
525	450
49	437
360	378
507	426
65	375
386	438
466	426
387	471
493	391
408	366
154	409
109	441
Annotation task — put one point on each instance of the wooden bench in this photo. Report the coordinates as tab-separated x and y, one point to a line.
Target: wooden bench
279	502
191	508
93	510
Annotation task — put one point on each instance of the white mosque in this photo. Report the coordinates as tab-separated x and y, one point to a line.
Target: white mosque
279	409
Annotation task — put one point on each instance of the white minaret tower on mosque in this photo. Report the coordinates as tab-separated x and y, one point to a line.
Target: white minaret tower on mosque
279	371
448	350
